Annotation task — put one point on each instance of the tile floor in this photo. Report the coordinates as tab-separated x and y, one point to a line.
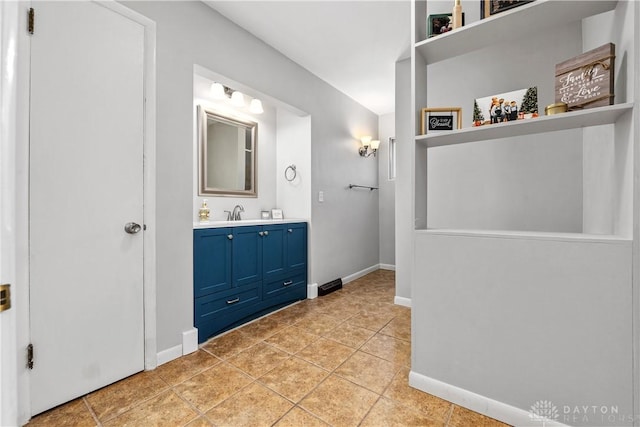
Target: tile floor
338	360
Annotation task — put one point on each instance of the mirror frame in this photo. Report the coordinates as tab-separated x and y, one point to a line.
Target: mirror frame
203	189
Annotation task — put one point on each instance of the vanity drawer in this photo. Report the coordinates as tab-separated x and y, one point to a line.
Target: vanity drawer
286	284
215	305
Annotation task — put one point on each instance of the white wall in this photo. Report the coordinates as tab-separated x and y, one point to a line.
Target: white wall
519	321
344	233
404	210
387	202
293	148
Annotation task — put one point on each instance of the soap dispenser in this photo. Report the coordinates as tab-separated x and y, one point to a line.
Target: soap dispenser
204	211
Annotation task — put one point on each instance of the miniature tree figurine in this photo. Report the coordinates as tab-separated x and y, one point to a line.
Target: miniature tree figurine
478	117
530	101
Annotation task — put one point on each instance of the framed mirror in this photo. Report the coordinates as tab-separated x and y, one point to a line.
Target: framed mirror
227	155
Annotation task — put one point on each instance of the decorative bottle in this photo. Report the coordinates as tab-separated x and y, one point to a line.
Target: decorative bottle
204	211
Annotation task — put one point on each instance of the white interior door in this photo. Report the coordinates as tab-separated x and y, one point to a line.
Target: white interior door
86	183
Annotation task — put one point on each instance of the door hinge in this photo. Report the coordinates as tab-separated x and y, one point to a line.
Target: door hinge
32	17
30	356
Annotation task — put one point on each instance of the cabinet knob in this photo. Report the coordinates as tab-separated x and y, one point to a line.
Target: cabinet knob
230	236
290	230
261	233
266	233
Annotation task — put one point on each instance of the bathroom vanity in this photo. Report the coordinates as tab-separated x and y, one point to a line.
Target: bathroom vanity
246	269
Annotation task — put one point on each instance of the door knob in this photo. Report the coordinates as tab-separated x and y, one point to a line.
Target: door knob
132	227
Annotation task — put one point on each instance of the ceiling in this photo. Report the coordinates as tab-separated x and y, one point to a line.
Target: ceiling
352	45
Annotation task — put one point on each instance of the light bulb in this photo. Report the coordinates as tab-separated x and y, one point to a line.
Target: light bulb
217	91
256	106
237	99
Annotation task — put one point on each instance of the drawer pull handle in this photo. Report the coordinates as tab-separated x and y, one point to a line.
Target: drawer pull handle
230	236
287	283
290	230
233	301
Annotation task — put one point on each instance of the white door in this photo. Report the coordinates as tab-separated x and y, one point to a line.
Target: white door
86	183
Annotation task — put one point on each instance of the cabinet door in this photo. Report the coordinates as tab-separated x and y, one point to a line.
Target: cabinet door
274	251
296	236
247	255
211	261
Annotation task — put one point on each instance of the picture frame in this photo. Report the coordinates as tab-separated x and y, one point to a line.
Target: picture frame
440	23
506	107
265	215
492	7
430	122
276	214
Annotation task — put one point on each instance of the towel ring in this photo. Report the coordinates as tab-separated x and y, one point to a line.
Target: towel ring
288	175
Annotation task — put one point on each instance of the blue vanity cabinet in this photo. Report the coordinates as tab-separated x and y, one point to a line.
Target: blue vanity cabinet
291	280
244	272
247	255
274	251
296	246
211	260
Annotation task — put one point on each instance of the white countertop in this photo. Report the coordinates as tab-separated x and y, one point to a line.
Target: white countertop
244	222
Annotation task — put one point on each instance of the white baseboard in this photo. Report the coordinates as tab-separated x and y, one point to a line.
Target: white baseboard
189	341
169	354
359	274
478	403
405	302
189	345
312	291
387	267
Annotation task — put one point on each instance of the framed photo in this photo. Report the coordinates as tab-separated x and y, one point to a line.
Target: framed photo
276	214
440	119
491	7
506	107
440	23
265	215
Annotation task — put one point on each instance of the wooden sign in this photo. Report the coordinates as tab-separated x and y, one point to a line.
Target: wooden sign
586	81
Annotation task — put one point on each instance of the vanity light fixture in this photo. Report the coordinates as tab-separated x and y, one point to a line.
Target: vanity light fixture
256	106
366	143
220	91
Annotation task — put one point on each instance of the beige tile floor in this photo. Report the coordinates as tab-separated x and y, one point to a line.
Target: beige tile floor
338	360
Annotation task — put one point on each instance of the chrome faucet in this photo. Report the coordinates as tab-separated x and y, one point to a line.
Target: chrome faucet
235	216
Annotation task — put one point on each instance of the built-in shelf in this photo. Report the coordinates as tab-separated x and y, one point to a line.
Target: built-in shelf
524	20
530	235
564	121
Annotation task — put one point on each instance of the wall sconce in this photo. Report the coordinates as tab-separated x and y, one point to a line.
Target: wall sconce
366	143
220	91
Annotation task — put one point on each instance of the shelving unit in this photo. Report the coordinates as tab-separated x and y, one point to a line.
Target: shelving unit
557	122
502	317
544	13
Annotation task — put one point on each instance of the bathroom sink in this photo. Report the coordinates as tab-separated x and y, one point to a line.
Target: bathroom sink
218	224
